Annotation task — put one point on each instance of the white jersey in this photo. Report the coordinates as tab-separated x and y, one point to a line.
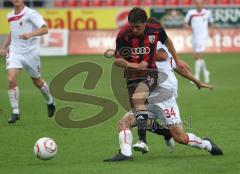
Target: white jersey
27	21
167	81
162	101
199	23
167	67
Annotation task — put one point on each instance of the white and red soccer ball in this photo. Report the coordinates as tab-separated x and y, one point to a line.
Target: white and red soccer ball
45	148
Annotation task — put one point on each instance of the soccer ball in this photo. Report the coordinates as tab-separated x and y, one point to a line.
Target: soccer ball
45	148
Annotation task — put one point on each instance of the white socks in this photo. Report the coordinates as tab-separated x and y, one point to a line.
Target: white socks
197	142
201	65
125	142
205	72
45	92
13	95
198	67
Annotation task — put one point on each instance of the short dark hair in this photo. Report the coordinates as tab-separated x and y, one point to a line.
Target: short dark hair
152	20
137	15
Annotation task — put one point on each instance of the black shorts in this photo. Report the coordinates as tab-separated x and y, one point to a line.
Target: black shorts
150	80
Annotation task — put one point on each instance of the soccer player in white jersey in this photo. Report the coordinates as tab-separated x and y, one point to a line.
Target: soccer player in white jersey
198	21
162	105
21	51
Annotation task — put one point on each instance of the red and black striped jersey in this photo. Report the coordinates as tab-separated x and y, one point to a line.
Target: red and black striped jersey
138	48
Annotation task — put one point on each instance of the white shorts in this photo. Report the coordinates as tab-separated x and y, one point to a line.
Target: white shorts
167	111
29	61
199	45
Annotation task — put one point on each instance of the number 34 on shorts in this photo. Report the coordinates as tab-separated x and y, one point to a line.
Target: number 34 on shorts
169	112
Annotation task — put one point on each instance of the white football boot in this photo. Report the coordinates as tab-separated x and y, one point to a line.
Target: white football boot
141	147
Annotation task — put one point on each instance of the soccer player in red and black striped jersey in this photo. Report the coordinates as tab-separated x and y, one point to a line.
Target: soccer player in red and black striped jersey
136	46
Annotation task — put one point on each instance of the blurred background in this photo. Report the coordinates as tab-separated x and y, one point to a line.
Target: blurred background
90	26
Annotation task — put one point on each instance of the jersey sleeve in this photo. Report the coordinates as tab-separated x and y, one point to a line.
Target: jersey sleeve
173	63
8	15
37	19
187	18
161	46
162	35
120	44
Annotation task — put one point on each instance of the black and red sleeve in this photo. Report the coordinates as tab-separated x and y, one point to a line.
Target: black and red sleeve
162	35
120	44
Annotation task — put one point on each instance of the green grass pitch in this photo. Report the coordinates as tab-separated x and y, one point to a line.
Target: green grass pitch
214	114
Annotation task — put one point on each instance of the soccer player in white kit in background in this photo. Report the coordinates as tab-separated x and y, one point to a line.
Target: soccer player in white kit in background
21	51
198	21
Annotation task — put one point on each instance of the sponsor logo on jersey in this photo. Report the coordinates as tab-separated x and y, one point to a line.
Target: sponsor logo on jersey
140	50
151	38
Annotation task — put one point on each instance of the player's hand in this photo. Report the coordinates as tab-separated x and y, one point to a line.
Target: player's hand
212	30
121	62
3	52
182	65
25	36
187	27
201	85
211	33
143	65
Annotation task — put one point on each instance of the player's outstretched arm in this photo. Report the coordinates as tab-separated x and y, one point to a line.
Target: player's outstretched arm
180	63
38	32
4	48
188	75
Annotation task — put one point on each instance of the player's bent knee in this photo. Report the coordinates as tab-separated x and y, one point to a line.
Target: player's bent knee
180	138
139	97
12	85
138	101
12	82
179	135
126	123
123	124
197	56
120	126
38	82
